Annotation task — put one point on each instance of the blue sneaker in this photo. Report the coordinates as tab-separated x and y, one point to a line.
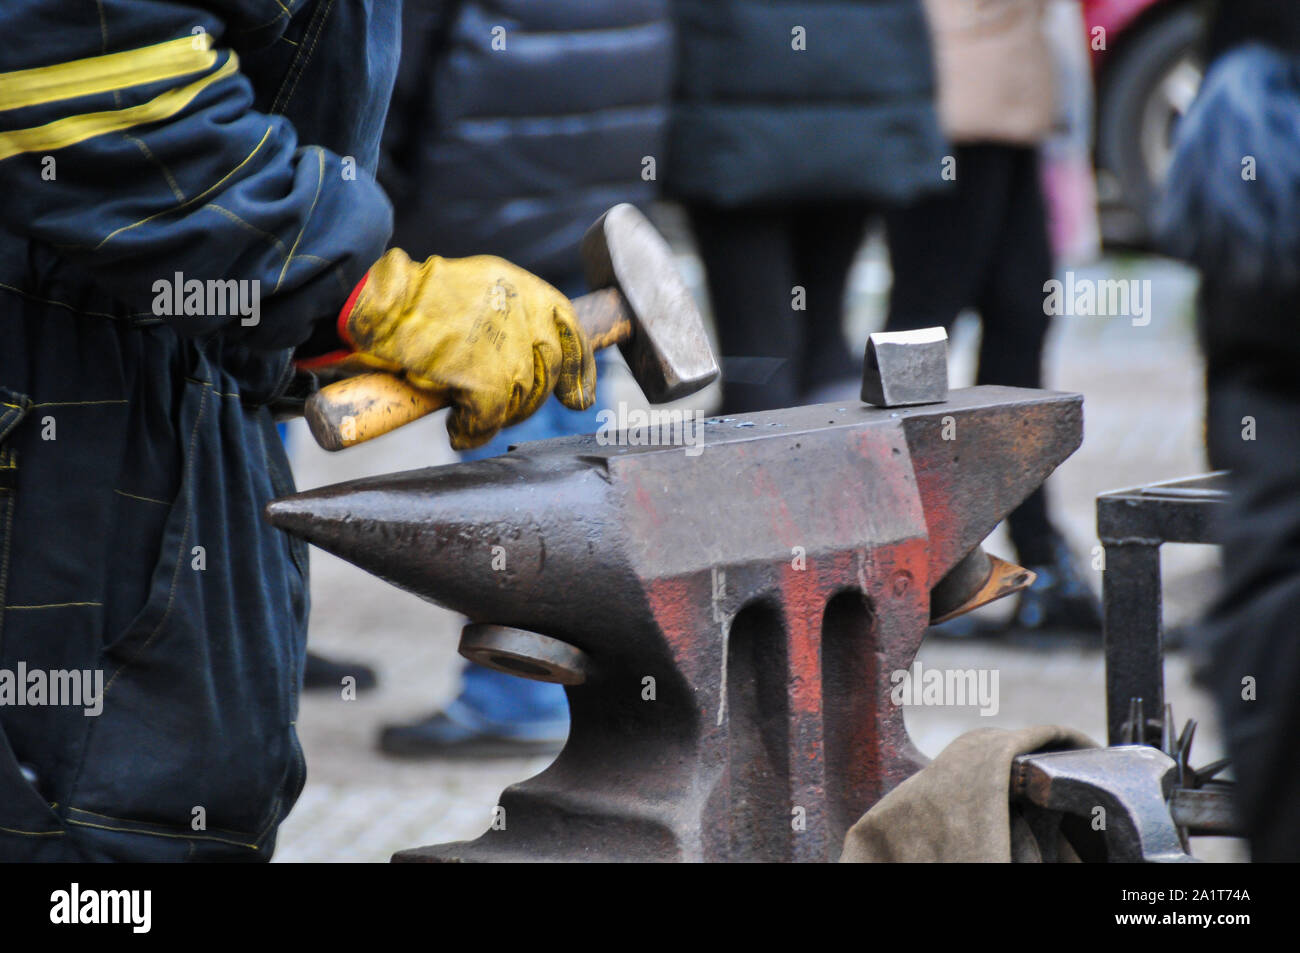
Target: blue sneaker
494	716
441	736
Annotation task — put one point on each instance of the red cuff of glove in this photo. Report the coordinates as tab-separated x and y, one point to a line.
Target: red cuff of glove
341	327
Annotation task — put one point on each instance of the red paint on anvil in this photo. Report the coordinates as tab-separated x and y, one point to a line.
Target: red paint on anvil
941	522
890	465
803	597
645	502
783	524
675	604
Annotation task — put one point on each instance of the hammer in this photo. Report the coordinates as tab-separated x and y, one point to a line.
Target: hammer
641	304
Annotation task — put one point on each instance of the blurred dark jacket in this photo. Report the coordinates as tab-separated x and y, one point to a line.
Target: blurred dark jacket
1232	208
849	117
515	151
1275	23
1231	205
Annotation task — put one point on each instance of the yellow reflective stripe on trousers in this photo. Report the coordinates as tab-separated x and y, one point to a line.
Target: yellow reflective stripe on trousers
104	74
67	132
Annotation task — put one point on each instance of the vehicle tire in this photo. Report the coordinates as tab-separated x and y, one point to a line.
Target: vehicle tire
1142	95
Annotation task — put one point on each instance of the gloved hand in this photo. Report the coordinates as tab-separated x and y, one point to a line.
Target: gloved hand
487	336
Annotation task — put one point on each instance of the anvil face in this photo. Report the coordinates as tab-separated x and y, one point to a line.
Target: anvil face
766	587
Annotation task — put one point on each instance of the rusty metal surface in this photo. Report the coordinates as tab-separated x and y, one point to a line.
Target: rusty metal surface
1205	811
1132	525
524	654
741	608
1131	784
903	368
976	581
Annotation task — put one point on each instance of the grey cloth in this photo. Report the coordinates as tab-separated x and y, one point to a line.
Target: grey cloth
957	808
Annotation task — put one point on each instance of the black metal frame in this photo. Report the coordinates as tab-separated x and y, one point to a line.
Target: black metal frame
1132	524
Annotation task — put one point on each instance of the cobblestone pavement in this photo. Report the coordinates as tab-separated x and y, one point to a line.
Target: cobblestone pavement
1143	410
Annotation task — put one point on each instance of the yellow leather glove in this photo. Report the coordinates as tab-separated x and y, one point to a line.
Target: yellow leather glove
487	336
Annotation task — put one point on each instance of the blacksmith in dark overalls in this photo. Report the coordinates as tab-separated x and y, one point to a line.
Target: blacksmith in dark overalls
189	207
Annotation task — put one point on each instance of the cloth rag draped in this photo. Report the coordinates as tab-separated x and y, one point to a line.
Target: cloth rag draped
957	808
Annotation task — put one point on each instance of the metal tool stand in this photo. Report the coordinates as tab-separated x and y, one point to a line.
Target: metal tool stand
1132	524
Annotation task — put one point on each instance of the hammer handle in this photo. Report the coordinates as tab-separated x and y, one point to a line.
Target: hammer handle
605	316
357	409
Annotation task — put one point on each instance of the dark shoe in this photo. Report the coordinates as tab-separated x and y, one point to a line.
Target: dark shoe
322	673
439	737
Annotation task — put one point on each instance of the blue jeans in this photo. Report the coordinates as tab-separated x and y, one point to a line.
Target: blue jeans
491	701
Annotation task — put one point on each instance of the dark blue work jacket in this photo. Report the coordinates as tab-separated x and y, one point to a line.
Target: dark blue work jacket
149	148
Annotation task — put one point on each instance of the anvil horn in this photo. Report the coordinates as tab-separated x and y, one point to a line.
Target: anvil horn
476	537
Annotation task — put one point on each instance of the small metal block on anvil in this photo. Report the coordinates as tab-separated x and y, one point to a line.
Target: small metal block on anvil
725	622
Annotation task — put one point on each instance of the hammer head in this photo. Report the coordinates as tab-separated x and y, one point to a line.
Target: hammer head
668	352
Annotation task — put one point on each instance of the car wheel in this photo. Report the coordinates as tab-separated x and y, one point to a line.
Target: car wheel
1143	95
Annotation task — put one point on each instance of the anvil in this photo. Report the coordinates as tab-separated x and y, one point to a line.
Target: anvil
730	618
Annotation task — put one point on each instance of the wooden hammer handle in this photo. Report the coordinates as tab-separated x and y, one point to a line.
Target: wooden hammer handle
605	316
352	411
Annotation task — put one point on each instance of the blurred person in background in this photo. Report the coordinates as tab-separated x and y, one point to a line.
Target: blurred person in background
1232	208
514	125
1066	155
790	126
984	244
